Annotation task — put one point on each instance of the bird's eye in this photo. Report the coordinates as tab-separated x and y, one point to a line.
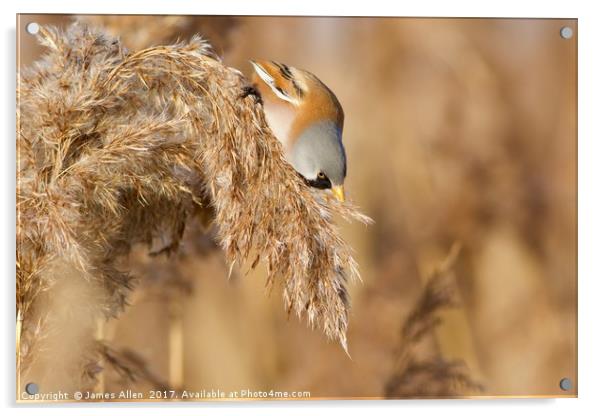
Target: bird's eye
321	181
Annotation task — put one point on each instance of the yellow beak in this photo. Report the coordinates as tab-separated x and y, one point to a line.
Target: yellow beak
339	193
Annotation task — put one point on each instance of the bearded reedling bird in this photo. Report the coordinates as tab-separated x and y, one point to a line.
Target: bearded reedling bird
306	117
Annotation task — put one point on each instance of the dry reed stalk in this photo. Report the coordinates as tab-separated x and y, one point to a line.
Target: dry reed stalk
176	344
434	376
19	327
117	148
100	336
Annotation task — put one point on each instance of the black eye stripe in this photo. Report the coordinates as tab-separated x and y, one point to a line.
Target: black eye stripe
319	183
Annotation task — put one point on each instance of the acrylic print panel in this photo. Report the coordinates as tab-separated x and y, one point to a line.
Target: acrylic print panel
183	232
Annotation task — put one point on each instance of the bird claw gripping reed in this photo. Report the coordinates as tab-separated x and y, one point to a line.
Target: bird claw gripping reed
116	148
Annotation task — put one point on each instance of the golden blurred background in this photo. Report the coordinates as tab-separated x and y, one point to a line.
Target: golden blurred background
457	131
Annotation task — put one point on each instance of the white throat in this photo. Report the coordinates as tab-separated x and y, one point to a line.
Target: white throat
280	119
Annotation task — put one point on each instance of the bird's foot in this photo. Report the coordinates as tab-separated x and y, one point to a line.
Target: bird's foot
251	91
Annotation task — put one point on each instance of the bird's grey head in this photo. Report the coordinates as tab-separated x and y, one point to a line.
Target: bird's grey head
319	156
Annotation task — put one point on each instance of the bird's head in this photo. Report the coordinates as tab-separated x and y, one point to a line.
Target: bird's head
307	118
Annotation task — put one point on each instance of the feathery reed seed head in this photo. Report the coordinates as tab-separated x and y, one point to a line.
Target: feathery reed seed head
116	148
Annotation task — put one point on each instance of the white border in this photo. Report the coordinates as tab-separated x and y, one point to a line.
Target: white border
590	206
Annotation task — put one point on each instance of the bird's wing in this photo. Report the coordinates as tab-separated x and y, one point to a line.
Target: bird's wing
279	79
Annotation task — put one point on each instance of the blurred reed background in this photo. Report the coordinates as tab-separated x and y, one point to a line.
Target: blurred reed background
461	140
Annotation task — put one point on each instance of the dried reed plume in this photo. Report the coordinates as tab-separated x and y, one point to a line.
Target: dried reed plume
118	148
433	376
